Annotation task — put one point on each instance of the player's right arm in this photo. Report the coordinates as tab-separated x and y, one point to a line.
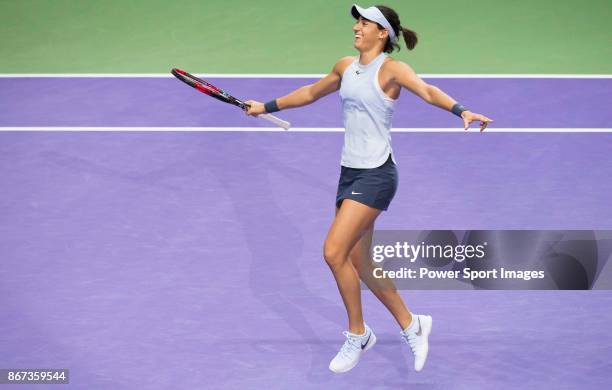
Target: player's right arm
308	93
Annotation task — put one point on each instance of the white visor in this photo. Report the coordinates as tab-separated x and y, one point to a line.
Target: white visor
374	15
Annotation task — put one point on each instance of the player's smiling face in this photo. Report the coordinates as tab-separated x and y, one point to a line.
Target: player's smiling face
367	34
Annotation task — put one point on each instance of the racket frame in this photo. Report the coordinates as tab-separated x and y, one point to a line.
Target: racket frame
219	94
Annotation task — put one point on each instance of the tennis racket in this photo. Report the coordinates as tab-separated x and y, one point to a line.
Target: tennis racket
223	96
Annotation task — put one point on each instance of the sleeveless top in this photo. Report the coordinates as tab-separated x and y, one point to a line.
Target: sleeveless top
367	114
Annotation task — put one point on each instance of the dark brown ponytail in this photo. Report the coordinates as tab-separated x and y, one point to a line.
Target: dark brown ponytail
410	37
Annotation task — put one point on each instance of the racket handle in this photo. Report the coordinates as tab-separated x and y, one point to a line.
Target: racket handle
277	121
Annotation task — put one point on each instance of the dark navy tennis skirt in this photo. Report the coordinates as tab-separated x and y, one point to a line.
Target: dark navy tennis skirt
374	187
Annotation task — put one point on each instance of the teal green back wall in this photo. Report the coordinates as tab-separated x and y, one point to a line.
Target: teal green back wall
151	36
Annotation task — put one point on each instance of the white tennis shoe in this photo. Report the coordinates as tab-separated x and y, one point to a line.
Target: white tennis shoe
418	339
350	353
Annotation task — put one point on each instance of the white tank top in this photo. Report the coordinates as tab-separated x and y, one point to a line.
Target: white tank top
367	115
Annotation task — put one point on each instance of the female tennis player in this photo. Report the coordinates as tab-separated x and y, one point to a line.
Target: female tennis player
369	87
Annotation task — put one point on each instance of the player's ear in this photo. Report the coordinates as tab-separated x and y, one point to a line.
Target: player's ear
383	34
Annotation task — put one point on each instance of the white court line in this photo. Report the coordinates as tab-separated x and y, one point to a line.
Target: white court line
311	129
305	75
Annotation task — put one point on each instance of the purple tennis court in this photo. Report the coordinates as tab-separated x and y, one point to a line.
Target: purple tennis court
163	102
193	260
154	238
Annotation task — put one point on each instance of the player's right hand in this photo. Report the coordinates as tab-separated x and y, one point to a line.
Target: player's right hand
255	108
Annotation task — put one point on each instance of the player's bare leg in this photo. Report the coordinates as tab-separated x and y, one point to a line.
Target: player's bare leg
352	220
384	289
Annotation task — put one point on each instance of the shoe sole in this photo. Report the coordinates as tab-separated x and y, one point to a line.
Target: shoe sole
426	325
369	345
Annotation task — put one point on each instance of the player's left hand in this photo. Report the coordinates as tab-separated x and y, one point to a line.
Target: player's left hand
469	117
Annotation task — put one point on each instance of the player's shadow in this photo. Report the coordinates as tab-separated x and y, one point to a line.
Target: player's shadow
276	243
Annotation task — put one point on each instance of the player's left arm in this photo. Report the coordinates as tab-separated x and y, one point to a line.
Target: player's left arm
403	75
